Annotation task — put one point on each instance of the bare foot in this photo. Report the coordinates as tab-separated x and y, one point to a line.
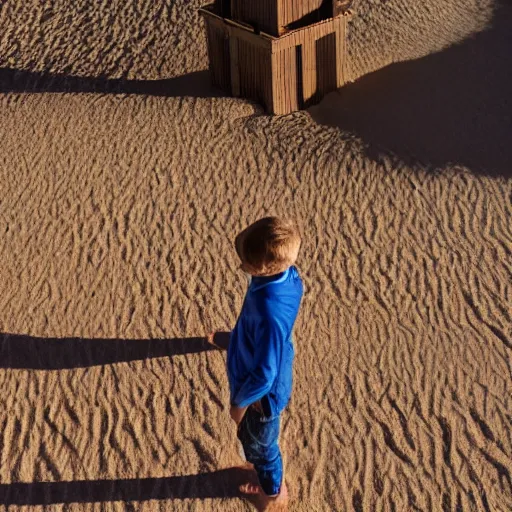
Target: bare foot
220	340
264	502
251	489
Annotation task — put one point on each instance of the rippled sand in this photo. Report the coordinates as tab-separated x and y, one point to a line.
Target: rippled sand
119	201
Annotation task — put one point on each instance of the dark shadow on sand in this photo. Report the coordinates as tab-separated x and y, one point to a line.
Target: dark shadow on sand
195	84
29	352
452	107
223	483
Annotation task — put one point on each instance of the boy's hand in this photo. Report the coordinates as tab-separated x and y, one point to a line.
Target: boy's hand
219	340
237	413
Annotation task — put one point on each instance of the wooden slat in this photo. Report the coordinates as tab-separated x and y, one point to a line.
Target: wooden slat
309	71
285	75
340	51
285	70
342	55
276	82
292	79
280	107
274	58
269	93
235	69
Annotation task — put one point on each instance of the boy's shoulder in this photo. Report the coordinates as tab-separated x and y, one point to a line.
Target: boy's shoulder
278	293
289	279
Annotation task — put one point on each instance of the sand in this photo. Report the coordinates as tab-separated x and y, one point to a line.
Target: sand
123	181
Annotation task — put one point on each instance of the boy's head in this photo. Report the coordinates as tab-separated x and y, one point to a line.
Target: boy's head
268	247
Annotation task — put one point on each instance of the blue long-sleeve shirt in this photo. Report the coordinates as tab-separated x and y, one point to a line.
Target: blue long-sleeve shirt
260	353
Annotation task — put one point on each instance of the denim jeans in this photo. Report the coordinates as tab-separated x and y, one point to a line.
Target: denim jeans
259	436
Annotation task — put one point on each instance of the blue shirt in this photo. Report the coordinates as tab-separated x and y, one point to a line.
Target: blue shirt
260	353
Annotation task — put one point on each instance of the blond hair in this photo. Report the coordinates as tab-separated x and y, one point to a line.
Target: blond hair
269	246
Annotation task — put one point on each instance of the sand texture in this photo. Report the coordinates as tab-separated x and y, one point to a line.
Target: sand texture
123	181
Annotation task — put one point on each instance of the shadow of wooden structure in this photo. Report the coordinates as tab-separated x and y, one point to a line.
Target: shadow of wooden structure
285	54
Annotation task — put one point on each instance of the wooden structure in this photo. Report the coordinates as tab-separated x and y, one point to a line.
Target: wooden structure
283	72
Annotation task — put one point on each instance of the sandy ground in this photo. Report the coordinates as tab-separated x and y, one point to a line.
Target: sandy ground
119	201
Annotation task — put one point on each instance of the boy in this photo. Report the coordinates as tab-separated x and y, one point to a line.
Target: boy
260	352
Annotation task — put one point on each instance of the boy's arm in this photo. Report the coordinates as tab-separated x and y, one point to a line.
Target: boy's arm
219	339
237	413
270	340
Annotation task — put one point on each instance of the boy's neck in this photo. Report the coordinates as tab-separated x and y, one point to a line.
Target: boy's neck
269	278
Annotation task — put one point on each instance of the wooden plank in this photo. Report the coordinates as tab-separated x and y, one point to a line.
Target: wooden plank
292	79
299	82
235	68
226	65
251	72
275	92
281	106
306	82
269	103
309	71
242	69
285	74
278	108
344	66
340	51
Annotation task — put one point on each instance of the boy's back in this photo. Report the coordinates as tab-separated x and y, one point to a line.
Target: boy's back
262	341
